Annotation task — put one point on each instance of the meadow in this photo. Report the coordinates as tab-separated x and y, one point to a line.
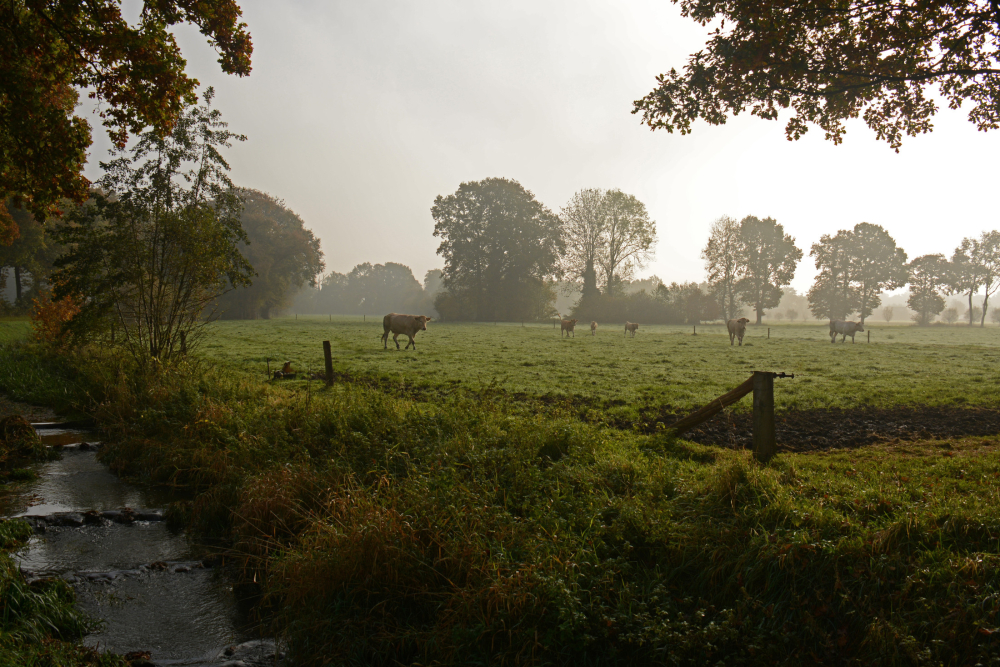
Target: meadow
449	506
663	369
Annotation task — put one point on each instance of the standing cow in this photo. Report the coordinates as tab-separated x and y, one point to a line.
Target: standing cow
408	325
737	329
593	328
569	326
630	326
845	329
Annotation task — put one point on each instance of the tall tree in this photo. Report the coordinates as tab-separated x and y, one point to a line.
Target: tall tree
159	243
834	61
583	228
769	260
929	274
833	295
975	266
723	261
500	245
283	253
50	49
629	236
877	265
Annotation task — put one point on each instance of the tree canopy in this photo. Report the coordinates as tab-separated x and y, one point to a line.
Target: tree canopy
51	49
283	253
856	266
500	247
831	61
929	274
159	242
769	260
976	266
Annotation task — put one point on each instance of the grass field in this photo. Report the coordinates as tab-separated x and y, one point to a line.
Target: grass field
471	530
663	366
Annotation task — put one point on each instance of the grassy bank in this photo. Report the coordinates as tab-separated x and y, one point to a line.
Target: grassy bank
378	529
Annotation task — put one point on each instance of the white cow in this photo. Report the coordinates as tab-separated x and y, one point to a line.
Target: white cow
845	329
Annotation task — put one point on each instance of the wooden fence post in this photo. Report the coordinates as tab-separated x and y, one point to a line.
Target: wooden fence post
764	446
328	356
869	336
769	333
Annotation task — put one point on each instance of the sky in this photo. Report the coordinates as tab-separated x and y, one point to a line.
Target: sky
358	114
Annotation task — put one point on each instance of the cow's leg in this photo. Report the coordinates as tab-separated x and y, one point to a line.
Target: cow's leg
395	339
412	342
385	341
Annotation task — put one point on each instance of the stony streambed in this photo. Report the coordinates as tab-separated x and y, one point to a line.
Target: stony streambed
108	539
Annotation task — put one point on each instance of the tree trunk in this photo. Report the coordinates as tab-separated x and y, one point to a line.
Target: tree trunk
17	283
759	307
986	301
970	308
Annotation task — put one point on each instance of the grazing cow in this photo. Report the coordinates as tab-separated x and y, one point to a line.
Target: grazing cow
397	324
569	326
845	329
593	328
630	326
737	329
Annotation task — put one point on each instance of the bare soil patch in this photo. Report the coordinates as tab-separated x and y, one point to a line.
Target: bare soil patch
812	430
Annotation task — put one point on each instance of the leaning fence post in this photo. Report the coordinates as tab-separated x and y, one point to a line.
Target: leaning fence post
328	356
764	446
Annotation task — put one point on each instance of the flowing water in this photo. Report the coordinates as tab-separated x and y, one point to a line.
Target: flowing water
144	581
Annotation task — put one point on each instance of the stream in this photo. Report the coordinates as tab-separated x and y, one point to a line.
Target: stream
107	538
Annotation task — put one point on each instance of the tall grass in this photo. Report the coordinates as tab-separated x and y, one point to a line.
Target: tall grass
376	529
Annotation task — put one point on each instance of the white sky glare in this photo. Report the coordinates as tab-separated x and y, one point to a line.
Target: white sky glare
360	113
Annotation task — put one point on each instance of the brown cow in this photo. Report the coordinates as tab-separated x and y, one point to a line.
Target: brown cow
737	328
397	324
593	328
630	326
569	326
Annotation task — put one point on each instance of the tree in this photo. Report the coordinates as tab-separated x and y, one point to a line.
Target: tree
629	237
887	313
855	267
32	253
159	243
583	228
877	265
995	315
723	261
833	295
928	275
792	314
976	265
500	247
950	315
50	49
283	253
834	61
769	260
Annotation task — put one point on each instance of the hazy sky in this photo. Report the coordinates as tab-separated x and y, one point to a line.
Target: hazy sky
359	113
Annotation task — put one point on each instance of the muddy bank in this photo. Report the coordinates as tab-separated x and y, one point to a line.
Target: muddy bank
811	430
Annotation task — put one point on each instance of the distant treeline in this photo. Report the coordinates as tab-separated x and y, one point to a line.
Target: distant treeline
373	289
